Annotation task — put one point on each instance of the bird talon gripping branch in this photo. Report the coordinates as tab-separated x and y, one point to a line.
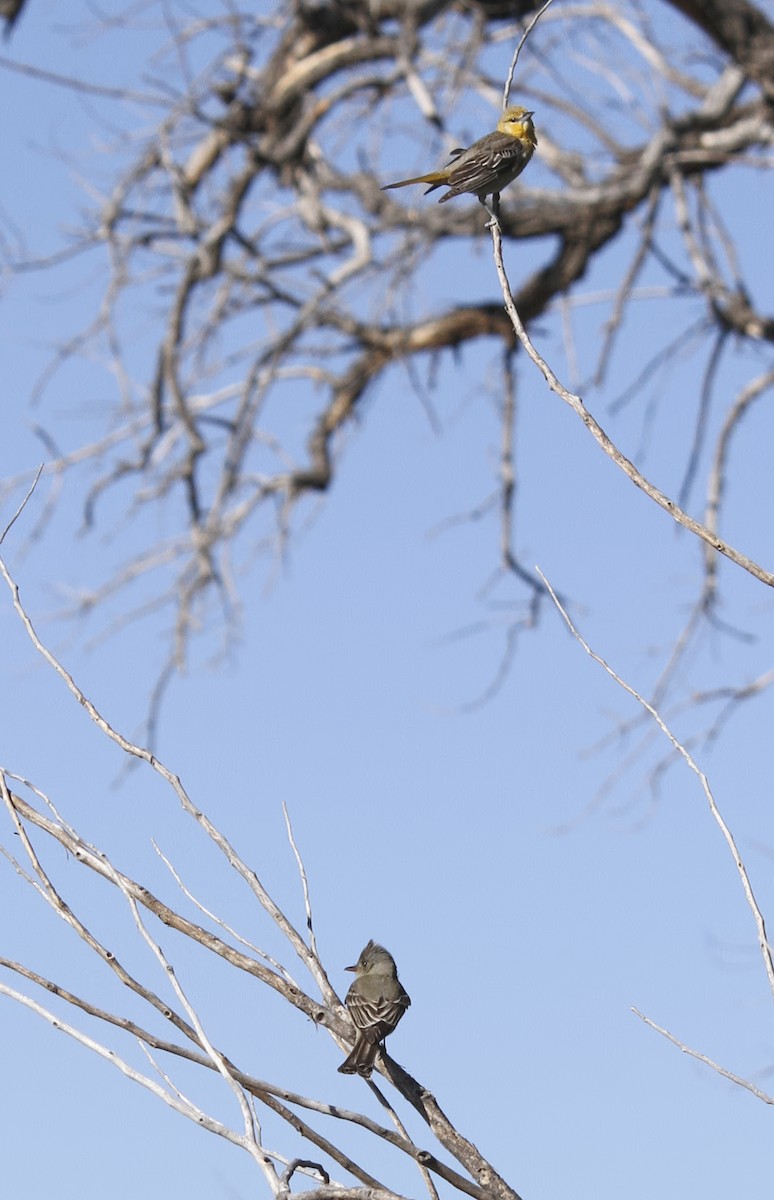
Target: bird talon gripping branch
487	166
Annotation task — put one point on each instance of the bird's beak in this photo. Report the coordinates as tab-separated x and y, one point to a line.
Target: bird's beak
529	114
350	968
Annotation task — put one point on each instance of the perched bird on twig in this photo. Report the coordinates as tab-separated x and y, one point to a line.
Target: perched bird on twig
487	166
376	1001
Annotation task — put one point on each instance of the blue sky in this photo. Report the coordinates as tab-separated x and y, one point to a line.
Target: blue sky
527	913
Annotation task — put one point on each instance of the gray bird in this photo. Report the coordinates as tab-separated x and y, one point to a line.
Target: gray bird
376	1001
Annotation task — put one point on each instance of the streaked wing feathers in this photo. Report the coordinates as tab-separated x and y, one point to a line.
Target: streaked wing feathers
376	1015
481	172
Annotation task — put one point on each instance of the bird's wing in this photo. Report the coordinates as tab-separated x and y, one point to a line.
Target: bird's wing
375	1010
485	167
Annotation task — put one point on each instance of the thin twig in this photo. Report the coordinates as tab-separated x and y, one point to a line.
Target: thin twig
213	833
517	52
745	1083
304	881
273	962
595	429
760	923
23	504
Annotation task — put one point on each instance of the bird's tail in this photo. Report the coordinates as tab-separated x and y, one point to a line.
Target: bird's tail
361	1060
435	178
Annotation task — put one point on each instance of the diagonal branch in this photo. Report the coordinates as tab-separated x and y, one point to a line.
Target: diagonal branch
606	443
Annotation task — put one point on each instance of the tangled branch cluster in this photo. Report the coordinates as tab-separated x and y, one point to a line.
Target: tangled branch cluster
285	287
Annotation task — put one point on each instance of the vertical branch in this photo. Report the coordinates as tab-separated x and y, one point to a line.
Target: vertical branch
304	880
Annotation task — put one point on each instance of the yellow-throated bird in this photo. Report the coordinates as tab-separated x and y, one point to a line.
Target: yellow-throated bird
487	166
